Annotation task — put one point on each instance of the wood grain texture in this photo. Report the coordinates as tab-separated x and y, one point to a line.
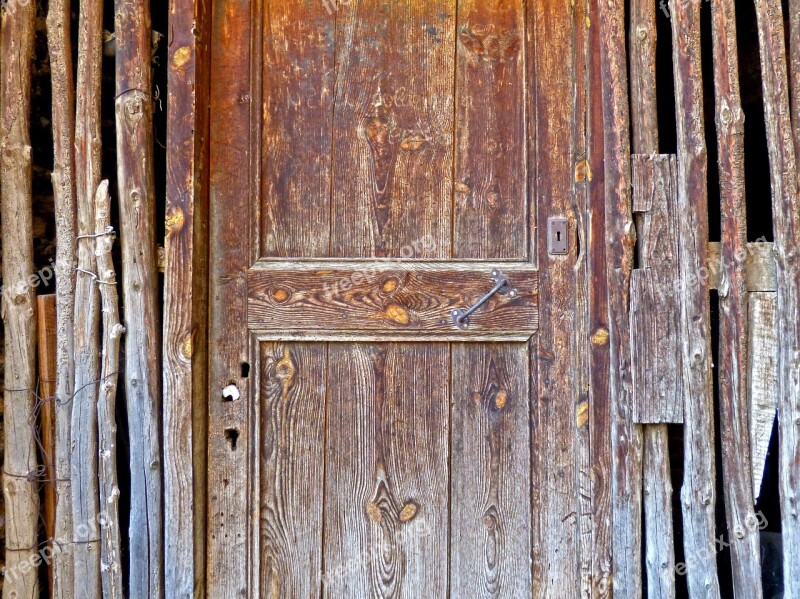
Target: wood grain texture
298	78
732	371
393	128
383	297
20	488
186	299
292	462
698	491
387	479
626	437
757	261
794	69
230	153
655	307
59	41
490	471
786	228
657	505
490	188
644	105
762	369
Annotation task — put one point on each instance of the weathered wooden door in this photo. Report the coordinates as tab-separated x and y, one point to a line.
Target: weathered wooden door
369	172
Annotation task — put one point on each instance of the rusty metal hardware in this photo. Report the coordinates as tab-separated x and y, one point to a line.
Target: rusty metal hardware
502	286
557	236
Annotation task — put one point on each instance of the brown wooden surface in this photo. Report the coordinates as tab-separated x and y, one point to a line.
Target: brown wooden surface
186	299
322	299
758	264
659	551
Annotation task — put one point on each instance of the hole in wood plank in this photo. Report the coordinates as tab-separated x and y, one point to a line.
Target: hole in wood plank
232	435
245	370
231	393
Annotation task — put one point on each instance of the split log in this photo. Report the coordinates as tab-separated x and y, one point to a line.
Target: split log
59	40
733	409
786	227
20	488
626	437
698	491
137	198
110	547
46	328
83	431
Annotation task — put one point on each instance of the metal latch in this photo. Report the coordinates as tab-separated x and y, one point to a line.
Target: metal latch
502	286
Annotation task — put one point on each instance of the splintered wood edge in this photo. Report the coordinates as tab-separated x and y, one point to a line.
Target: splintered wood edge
760	264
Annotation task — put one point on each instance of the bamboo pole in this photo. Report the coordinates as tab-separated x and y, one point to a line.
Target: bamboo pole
111	566
85	499
140	293
19	469
63	91
733	328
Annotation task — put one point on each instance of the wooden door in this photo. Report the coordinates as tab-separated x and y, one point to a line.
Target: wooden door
369	170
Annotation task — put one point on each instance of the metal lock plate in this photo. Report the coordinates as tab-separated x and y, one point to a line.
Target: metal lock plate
557	236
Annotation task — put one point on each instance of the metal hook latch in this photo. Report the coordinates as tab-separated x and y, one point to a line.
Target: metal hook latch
502	286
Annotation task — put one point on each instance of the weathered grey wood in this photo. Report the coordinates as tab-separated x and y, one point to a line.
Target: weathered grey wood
185	308
626	437
490	471
644	103
732	371
794	69
59	39
490	194
137	202
20	489
110	541
786	228
386	490
388	297
698	491
292	421
758	263
83	427
655	309
762	379
393	128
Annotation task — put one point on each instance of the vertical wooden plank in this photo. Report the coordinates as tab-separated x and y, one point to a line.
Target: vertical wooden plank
490	471
298	79
794	69
626	437
393	129
491	204
230	192
762	370
292	425
733	400
185	299
657	505
552	99
387	479
18	304
698	491
786	227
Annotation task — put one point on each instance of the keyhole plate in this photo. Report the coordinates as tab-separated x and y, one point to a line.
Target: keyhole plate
557	236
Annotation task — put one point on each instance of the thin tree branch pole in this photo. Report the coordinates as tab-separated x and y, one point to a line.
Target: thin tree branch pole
698	490
63	114
85	499
20	485
733	327
111	566
786	226
626	438
657	485
140	293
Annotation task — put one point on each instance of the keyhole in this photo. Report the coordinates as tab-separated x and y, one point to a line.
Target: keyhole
558	235
232	435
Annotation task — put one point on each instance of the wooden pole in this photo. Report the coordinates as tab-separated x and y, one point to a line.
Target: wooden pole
106	404
59	40
19	469
786	226
85	500
140	293
46	327
794	69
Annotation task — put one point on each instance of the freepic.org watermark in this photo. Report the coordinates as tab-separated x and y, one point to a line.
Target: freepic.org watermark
9	7
332	6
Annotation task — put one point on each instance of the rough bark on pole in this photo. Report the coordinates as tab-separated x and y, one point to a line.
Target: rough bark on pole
733	327
20	485
786	227
626	437
111	564
83	431
698	491
185	300
59	41
140	293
